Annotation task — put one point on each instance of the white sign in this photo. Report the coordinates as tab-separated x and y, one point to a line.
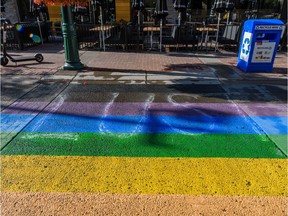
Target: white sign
267	27
263	52
246	46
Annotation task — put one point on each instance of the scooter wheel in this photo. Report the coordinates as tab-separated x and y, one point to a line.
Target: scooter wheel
4	61
39	57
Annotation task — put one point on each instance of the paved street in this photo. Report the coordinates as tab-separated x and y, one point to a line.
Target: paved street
143	134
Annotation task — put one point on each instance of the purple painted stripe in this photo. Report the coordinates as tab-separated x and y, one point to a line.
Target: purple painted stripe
148	108
25	107
264	109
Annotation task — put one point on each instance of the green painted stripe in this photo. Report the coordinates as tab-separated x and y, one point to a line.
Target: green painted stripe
281	142
144	145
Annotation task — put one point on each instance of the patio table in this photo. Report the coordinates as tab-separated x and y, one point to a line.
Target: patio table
101	28
215	24
206	30
106	33
151	29
194	23
148	23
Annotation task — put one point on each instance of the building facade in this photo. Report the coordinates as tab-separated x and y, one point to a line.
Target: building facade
23	10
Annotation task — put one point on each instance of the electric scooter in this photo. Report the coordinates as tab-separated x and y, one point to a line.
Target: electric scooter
6	57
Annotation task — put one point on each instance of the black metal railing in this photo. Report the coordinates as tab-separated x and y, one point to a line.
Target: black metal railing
9	32
131	37
23	35
125	37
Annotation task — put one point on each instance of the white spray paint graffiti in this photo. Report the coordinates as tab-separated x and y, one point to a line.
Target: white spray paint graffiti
144	115
137	126
102	127
41	120
171	99
65	136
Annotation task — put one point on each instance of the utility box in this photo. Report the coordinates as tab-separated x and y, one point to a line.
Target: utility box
258	44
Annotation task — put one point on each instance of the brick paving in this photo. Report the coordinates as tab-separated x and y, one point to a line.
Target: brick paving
127	61
136	61
280	63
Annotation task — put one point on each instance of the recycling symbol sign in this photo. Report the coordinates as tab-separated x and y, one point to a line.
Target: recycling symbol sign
246	46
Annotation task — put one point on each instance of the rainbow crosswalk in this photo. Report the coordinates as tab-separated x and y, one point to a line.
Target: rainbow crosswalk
149	149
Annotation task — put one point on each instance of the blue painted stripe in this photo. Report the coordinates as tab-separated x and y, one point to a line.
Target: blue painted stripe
272	125
146	124
14	122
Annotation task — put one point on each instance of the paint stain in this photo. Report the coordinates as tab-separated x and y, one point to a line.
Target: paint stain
184	67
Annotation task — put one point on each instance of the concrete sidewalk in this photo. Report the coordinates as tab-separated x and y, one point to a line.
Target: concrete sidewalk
143	61
133	68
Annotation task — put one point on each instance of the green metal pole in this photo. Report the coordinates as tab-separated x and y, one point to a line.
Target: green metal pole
72	60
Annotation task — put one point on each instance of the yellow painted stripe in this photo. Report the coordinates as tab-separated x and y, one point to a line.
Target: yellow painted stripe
37	203
221	176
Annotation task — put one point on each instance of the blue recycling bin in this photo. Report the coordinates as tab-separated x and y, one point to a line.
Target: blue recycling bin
258	44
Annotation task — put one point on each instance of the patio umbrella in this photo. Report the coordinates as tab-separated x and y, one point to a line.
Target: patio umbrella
252	4
161	11
99	3
251	8
180	6
79	13
229	7
138	5
31	5
220	7
194	6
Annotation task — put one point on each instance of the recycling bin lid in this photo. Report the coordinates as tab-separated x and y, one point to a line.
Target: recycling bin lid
263	24
254	22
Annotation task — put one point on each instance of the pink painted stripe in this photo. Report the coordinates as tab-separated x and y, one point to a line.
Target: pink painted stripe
149	108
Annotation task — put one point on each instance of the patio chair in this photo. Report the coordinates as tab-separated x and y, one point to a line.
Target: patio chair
132	37
188	36
117	40
229	37
85	36
283	40
171	40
